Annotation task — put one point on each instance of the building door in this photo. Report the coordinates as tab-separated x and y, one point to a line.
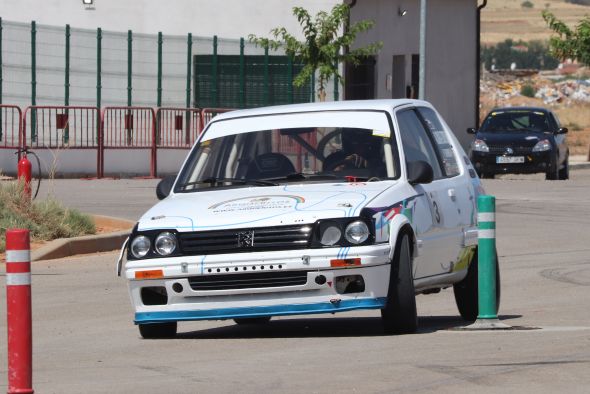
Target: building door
398	76
360	80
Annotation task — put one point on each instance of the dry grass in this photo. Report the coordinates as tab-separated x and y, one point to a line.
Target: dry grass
503	19
46	219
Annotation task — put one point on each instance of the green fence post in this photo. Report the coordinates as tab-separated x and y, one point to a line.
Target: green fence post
129	68
313	87
129	81
66	136
33	79
242	92
266	78
336	93
98	80
290	79
189	56
486	257
98	66
214	73
160	42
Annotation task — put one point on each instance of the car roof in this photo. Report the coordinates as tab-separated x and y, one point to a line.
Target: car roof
380	105
520	109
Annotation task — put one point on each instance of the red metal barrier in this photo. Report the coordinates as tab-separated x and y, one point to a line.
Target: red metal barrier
209	113
177	128
62	127
129	128
11	129
18	311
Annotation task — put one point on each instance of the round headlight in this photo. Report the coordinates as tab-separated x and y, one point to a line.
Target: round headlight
140	246
331	235
356	232
165	243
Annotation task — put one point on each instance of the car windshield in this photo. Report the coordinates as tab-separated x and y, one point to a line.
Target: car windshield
327	146
516	121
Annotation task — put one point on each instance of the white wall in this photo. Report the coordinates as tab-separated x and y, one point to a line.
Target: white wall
226	18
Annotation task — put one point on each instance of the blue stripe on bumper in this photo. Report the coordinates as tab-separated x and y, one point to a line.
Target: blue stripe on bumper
257	311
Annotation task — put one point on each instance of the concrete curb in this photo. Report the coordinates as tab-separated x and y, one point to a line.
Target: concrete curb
579	165
65	247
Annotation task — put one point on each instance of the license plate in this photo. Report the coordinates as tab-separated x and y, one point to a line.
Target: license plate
509	159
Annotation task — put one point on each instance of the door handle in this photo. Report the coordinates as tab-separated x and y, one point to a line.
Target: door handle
452	194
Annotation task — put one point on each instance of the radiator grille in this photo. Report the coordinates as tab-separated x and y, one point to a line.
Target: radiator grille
245	240
248	280
518	149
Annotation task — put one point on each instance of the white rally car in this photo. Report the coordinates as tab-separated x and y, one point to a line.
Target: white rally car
311	208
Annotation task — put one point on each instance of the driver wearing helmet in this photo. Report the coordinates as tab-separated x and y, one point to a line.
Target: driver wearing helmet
360	150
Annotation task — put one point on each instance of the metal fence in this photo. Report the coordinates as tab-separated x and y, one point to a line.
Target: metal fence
49	65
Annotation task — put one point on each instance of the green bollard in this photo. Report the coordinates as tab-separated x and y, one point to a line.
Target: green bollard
486	256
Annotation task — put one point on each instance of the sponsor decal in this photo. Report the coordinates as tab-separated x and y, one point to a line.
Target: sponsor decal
268	202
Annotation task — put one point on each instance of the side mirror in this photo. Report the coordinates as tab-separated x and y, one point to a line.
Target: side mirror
165	186
419	172
471	130
562	130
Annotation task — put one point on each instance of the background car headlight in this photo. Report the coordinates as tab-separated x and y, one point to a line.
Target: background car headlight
356	232
140	246
165	243
480	146
542	146
331	235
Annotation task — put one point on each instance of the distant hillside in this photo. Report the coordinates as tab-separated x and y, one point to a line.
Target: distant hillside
502	19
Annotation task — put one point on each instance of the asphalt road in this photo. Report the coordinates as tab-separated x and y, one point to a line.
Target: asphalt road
85	342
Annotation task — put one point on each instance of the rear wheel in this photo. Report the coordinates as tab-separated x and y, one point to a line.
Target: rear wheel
158	330
253	320
467	294
399	316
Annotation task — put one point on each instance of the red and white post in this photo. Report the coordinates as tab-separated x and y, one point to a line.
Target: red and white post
18	298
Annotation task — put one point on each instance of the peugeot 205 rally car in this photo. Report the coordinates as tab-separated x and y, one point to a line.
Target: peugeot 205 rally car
311	208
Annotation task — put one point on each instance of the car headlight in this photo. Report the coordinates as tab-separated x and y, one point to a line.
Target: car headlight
356	232
140	246
165	243
542	146
331	235
480	146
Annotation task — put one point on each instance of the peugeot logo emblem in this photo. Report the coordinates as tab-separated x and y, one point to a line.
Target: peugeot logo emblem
245	239
509	150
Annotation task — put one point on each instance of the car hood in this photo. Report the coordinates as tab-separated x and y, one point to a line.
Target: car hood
262	206
527	138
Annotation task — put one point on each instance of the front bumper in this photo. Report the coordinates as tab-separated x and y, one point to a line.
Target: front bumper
321	290
533	162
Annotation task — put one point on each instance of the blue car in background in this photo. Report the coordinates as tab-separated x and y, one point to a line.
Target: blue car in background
520	140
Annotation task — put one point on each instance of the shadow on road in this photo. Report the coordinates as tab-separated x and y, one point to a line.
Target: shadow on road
324	327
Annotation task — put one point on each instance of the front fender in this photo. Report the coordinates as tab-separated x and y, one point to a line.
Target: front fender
395	226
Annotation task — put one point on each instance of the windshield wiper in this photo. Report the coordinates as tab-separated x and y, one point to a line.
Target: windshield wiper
215	181
295	176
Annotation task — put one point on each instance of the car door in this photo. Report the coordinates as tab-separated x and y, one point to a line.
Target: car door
439	242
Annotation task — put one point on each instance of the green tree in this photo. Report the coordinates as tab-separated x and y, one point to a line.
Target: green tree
568	43
326	40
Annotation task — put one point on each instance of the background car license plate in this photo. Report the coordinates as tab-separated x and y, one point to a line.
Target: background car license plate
509	159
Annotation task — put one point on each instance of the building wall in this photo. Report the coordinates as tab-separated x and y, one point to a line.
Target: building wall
450	52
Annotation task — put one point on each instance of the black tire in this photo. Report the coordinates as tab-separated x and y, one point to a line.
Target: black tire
552	173
487	175
252	320
158	330
399	315
564	173
466	291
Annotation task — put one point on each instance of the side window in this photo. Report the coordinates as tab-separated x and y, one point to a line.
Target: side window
445	149
415	141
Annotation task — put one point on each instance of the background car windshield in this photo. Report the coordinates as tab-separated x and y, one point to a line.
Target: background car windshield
507	121
324	153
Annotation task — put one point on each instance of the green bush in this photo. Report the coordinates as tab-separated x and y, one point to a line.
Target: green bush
46	220
528	90
536	56
527	4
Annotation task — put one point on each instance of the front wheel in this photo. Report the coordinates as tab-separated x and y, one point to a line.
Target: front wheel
564	173
552	172
400	316
158	330
467	291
